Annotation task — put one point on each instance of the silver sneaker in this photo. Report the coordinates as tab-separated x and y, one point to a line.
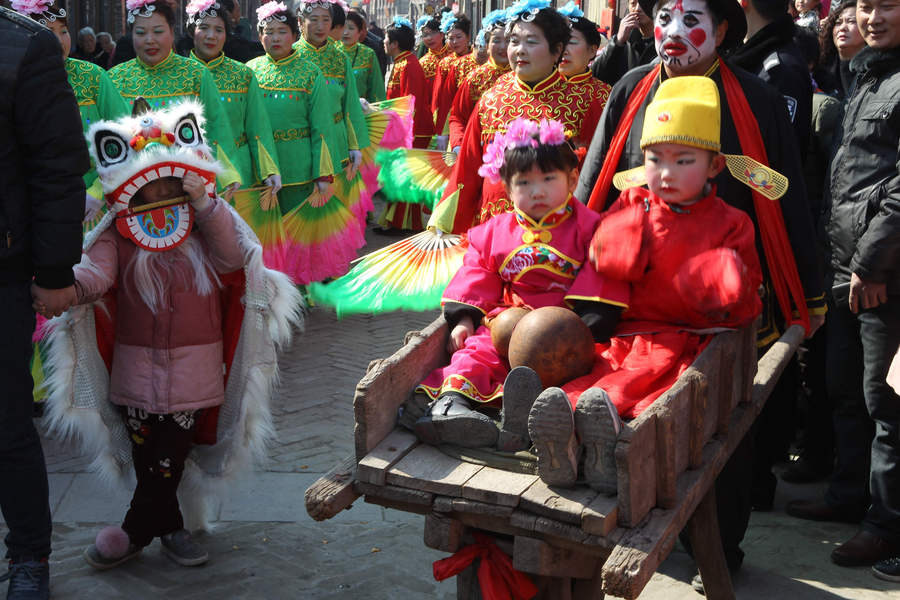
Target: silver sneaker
181	547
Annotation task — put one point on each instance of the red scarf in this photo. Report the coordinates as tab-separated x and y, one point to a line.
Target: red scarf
776	246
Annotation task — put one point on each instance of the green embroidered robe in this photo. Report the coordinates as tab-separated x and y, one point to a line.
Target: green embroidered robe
255	156
369	82
174	78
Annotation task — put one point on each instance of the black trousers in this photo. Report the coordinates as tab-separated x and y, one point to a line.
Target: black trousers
24	493
159	447
866	416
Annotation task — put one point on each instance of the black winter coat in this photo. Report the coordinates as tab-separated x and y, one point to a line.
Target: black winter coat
863	224
614	61
43	156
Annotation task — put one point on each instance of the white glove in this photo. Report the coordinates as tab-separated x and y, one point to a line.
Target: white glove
441	141
366	107
274	182
456	150
92	207
355	161
324	187
233	187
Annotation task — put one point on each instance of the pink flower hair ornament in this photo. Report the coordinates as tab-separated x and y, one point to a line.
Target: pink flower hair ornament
270	10
39	10
197	10
139	8
519	133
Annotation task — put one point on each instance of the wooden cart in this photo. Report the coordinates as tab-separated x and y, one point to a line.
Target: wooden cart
575	543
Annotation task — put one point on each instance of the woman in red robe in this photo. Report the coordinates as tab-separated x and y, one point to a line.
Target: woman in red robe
452	71
537	36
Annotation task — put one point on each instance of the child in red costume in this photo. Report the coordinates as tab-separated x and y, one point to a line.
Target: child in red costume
531	257
693	269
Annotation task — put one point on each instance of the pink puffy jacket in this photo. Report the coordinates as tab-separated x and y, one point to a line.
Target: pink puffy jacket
171	360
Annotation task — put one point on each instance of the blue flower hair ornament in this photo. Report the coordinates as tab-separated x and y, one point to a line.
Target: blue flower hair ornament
480	38
421	21
495	18
525	10
402	22
571	11
448	20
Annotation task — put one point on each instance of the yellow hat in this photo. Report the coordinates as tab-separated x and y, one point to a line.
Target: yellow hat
684	111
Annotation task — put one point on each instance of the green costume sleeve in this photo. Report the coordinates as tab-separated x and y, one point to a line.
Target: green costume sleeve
357	130
218	130
320	126
259	133
110	103
376	81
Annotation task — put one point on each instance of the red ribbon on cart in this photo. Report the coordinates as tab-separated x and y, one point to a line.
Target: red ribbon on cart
496	575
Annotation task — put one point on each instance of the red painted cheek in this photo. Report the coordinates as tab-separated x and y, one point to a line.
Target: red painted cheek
697	37
658	33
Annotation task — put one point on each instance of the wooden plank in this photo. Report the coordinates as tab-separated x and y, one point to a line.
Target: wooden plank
706	541
332	492
599	517
417	509
640	551
563	504
496	486
635	450
558	529
388	382
666	475
540	558
731	370
709	366
428	469
396	494
446	504
697	431
443	533
374	466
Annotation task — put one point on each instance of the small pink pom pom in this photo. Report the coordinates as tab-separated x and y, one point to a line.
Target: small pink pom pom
112	542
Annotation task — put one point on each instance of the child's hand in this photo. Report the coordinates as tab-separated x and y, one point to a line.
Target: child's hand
460	333
193	186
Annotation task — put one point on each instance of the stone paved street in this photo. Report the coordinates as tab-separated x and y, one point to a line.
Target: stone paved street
264	545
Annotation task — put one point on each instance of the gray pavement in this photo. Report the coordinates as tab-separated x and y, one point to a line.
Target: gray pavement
265	546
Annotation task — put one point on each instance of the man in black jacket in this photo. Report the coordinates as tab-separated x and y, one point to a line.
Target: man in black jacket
685	51
42	159
631	47
771	53
863	226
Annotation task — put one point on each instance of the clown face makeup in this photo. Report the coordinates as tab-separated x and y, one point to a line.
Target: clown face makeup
685	35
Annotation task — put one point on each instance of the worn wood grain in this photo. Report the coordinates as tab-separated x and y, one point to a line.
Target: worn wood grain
427	468
388	382
332	492
564	504
706	542
443	533
635	450
496	486
600	515
374	466
396	494
697	431
540	558
446	504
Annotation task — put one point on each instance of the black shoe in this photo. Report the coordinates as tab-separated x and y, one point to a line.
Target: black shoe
598	425
864	550
697	581
551	426
452	421
888	569
520	389
28	580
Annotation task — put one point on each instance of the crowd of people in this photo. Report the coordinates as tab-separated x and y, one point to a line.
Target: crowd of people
554	131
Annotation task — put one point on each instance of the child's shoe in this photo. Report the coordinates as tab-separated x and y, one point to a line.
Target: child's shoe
520	389
111	548
552	429
451	420
29	579
181	547
598	424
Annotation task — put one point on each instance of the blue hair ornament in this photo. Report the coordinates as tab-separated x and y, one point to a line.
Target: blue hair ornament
420	22
571	11
480	40
525	10
402	22
495	18
448	20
